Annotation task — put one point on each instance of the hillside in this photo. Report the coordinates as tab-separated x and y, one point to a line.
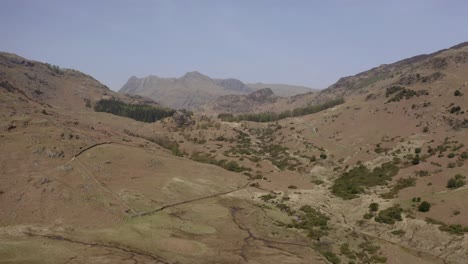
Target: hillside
420	71
48	84
387	166
380	178
81	186
189	91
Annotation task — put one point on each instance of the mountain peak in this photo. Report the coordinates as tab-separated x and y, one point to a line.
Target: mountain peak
194	75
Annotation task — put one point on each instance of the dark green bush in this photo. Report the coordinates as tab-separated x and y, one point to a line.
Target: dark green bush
374	207
424	207
456	182
389	215
368	216
267	197
313	221
332	257
416	160
455	109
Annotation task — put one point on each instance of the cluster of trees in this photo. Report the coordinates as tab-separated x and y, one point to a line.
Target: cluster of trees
139	112
268	116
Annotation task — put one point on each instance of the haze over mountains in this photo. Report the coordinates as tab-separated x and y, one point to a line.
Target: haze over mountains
194	89
380	177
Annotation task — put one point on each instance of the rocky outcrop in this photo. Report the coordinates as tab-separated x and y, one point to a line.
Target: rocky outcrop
183	118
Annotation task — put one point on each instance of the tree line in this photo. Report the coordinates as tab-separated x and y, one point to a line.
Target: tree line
139	112
270	116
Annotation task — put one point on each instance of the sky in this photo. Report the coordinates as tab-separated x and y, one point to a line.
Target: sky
311	43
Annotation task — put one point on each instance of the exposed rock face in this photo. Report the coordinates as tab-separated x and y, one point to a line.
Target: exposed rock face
182	118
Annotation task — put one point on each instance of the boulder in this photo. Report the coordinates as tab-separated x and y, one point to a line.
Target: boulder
183	118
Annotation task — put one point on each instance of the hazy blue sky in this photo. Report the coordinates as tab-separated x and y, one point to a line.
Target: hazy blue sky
298	42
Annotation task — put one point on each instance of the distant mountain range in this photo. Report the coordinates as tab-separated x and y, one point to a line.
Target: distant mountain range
193	90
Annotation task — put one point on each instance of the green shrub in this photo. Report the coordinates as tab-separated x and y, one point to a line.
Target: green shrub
389	215
464	155
267	197
456	182
313	221
402	93
454	229
424	207
374	207
345	250
332	257
368	216
401	184
398	232
455	109
416	160
422	173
